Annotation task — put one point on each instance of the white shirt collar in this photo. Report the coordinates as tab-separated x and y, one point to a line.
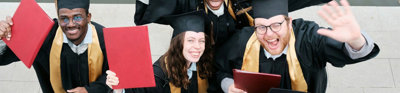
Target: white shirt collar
268	55
218	12
79	49
191	69
145	1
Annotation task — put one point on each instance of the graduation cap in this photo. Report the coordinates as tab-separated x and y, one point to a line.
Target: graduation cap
269	8
71	4
192	21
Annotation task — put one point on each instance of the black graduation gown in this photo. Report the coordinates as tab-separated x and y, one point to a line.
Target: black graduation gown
74	68
314	51
156	9
162	83
243	21
223	26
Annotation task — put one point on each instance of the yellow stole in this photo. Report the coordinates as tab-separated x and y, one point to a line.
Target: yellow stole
251	61
230	10
202	84
95	60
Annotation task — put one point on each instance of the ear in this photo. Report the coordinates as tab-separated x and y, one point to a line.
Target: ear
58	18
290	23
89	17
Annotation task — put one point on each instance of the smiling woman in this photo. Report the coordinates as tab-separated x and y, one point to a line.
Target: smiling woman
193	45
187	65
187	48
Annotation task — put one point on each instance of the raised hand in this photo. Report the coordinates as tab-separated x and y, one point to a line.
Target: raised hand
344	25
5	28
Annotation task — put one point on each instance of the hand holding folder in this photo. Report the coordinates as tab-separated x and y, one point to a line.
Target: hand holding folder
252	82
128	53
30	28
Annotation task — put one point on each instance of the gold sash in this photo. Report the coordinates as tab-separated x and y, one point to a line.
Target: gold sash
230	10
232	13
95	59
205	6
251	20
251	61
251	54
202	84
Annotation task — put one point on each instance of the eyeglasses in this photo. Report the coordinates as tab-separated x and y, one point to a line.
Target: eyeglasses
75	20
275	27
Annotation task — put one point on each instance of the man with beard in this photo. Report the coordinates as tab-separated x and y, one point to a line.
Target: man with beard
298	50
72	57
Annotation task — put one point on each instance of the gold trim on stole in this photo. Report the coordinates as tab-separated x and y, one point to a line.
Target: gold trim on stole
296	73
252	54
251	20
230	10
202	84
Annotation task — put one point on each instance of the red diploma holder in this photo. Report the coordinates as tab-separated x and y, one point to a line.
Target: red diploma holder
30	28
129	56
252	82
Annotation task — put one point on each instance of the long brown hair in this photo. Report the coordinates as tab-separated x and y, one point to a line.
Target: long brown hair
176	67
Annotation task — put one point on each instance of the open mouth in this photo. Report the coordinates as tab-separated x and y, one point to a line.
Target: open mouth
72	31
215	3
195	54
273	44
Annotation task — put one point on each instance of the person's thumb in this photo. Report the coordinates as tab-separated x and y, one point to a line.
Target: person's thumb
325	32
109	72
72	90
8	18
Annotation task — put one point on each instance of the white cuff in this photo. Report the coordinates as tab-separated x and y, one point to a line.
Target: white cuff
145	1
123	91
2	47
364	51
225	83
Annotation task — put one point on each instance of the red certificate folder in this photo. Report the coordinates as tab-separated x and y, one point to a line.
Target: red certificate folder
252	82
31	26
128	53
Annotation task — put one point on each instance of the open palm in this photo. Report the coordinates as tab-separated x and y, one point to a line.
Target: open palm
344	25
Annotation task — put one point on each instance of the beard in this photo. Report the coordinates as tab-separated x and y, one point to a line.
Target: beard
283	41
